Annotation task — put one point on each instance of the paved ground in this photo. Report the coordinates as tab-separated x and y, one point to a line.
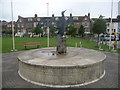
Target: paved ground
0	70
11	78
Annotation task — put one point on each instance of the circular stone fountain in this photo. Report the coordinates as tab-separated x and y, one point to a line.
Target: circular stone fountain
78	67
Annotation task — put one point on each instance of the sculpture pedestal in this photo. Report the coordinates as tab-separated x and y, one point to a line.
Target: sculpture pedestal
61	45
79	66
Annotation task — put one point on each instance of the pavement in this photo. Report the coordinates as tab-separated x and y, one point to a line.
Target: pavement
0	70
11	79
119	44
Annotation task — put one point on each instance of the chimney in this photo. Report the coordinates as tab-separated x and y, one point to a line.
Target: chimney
70	14
89	15
118	18
35	15
19	16
52	15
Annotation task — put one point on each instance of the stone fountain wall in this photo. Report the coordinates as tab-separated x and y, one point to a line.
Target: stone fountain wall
78	67
50	75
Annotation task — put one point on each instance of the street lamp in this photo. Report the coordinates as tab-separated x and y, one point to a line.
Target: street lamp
111	25
47	25
13	39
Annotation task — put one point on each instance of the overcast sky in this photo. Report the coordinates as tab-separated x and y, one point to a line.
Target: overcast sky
27	8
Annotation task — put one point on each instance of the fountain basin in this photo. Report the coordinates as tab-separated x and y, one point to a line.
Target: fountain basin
78	67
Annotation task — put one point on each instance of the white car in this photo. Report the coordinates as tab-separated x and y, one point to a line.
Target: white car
107	37
117	38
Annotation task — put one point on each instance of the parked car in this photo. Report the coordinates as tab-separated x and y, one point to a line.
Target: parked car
102	38
77	36
107	38
117	38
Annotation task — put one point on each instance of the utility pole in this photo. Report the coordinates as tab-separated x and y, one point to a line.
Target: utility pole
48	25
13	39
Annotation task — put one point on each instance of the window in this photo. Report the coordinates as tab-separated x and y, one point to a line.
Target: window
38	19
30	25
22	25
85	24
20	20
35	24
29	19
86	29
66	18
27	25
53	23
9	25
18	25
78	23
85	18
75	18
56	18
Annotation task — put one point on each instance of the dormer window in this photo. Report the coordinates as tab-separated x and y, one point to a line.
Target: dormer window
38	19
9	25
56	18
29	19
85	18
20	20
66	18
75	18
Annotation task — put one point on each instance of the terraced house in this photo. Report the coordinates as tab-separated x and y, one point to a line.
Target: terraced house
26	24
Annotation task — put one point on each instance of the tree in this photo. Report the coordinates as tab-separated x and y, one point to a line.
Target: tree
37	30
52	31
71	30
81	30
99	26
9	31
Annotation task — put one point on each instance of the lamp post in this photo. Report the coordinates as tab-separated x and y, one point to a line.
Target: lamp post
13	39
47	25
111	25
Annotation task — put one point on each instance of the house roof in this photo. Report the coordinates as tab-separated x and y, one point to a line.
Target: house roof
80	18
107	19
113	20
118	17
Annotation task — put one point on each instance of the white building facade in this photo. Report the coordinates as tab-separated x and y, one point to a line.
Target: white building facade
119	18
114	26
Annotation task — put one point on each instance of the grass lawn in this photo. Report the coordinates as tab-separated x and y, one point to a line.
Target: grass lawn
7	43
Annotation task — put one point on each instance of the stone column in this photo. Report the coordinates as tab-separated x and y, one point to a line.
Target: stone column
61	45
